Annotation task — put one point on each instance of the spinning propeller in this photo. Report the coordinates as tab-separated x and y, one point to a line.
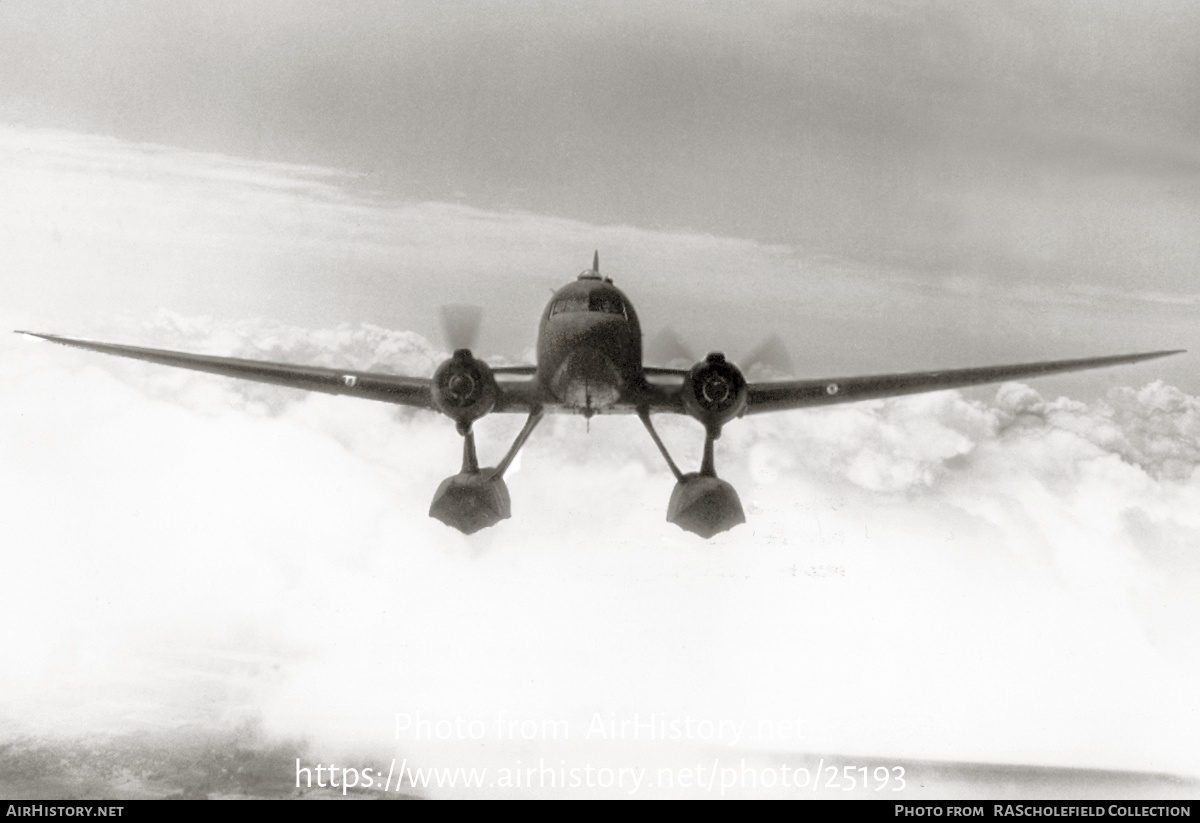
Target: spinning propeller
460	325
668	347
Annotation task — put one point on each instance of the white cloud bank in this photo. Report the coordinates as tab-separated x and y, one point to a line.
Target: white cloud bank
931	577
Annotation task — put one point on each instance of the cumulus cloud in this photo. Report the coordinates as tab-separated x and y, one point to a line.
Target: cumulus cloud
1010	580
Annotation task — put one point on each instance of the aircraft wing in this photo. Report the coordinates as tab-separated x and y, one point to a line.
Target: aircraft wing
799	394
389	388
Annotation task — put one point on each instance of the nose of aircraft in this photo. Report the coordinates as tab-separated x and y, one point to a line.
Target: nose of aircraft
587	379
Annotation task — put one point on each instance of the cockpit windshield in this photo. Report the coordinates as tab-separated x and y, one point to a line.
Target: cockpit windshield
570	304
598	301
607	302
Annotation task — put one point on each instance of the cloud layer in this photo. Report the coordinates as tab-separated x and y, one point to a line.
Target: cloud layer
1010	580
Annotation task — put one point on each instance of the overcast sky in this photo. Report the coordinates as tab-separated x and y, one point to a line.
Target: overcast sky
1009	181
889	186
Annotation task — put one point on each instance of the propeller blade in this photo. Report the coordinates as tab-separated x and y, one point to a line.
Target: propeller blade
770	354
460	325
667	347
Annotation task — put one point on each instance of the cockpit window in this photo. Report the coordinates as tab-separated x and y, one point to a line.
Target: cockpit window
607	303
604	302
567	304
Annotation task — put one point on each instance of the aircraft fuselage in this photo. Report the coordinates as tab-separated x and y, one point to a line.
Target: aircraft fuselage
589	351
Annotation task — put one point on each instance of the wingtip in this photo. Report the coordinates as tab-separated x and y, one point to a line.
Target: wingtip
51	338
1142	357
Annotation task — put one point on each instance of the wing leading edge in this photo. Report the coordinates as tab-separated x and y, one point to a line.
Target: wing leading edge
799	394
517	396
389	388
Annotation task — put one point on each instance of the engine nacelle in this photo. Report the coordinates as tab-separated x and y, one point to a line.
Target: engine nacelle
714	391
464	388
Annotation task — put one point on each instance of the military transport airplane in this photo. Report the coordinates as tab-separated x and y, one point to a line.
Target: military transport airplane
589	361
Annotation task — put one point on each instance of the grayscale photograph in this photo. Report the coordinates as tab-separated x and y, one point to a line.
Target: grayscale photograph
640	400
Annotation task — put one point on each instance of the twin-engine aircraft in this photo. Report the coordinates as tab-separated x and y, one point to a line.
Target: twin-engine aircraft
589	361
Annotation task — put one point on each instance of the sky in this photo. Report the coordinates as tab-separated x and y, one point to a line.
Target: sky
1013	181
1006	575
